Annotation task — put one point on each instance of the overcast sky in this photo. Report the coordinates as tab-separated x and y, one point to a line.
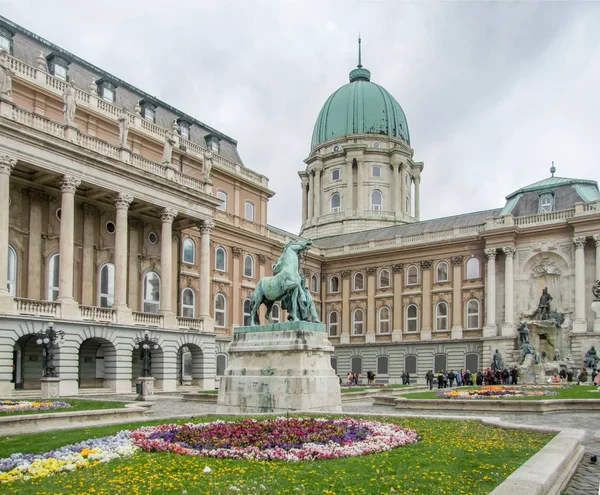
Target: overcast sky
493	92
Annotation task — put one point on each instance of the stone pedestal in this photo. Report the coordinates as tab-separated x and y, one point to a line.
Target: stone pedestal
508	330
186	381
50	388
580	326
147	387
397	336
6	107
370	338
71	133
456	333
490	331
426	334
279	367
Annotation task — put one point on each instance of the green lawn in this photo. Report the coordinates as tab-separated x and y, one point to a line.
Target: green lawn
453	457
573	392
362	389
76	405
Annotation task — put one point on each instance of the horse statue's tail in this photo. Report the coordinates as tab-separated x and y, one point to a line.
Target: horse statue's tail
257	299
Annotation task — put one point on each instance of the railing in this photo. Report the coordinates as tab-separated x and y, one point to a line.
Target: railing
37	308
148	319
148	165
22	68
187	181
96	313
95	144
37	122
194	323
551	216
590	207
153	128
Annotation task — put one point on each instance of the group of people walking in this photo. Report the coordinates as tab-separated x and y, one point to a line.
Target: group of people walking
445	379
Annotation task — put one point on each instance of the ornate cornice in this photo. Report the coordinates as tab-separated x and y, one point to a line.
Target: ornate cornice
579	242
597	239
490	253
371	271
457	260
168	214
69	184
122	201
509	251
7	164
426	264
346	274
397	267
236	251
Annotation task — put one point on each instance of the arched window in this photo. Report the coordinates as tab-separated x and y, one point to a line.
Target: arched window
441	316
333	323
249	211
222	195
336	203
53	265
220	310
334	284
247	312
384	320
221	260
107	285
473	314
412	275
314	284
382	365
248	266
473	268
358	319
276	313
221	364
440	363
410	364
376	200
384	278
188	303
356	364
189	251
151	293
12	272
472	362
412	317
441	272
359	281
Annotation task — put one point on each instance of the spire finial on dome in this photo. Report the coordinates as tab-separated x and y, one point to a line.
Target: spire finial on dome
359	50
359	74
552	168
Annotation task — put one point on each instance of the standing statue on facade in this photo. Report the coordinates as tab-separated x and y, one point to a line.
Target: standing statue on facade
544	305
168	149
285	285
591	358
123	128
5	75
207	166
70	104
523	334
497	361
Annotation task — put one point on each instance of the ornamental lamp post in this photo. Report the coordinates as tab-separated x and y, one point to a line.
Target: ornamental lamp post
145	383
51	339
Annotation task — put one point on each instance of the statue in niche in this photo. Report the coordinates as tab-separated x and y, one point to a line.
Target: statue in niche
591	358
5	75
123	128
523	334
70	104
544	305
168	149
497	361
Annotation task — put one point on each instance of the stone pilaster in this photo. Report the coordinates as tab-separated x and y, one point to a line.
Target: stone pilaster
318	199
34	250
597	241
360	193
349	200
370	311
69	307
426	309
87	262
304	199
509	328
346	329
457	308
395	189
311	195
403	189
135	226
417	197
491	327
398	309
122	202
204	299
580	322
7	164
166	261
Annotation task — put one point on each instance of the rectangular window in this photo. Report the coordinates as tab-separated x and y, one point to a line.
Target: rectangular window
4	44
108	95
335	174
60	72
184	130
546	203
149	114
376	171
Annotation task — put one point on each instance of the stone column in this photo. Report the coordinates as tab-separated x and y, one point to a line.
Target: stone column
426	308
166	261
135	226
597	241
491	328
122	202
311	196
236	277
87	264
580	322
369	321
509	328
457	307
304	199
396	189
69	307
346	328
349	203
204	302
403	188
360	201
7	164
398	310
317	199
417	198
34	251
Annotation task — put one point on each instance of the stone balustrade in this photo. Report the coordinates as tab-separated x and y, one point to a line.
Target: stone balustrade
191	323
34	307
148	319
92	102
95	313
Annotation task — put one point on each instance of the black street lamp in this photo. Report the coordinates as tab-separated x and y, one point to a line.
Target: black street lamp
51	339
146	344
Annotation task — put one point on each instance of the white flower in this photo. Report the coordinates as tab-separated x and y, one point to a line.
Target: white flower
207	470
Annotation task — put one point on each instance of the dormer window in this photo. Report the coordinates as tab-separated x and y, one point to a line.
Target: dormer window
184	128
6	40
212	142
58	67
106	90
148	111
335	174
546	203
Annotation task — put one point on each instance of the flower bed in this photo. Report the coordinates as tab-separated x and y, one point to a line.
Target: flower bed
291	440
495	391
24	405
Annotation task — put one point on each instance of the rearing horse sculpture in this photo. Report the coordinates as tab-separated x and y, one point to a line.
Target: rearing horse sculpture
287	280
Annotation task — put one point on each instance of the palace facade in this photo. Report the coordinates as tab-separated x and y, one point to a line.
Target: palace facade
121	214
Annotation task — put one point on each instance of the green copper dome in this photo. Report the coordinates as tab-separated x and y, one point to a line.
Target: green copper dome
360	107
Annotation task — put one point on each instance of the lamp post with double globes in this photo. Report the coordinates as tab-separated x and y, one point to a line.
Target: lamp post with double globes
51	339
145	383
